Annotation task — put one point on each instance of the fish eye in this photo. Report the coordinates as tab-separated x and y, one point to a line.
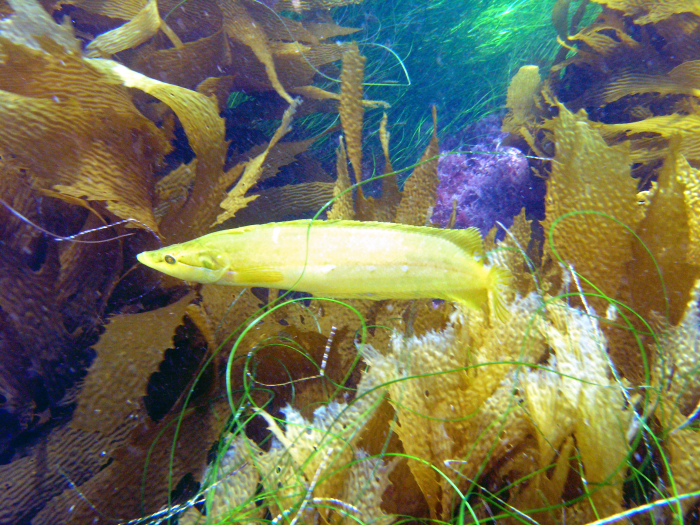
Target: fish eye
169	259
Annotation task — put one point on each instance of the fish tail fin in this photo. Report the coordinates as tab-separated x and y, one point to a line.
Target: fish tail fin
500	282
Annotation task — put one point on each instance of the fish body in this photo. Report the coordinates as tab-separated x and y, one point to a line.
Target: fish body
342	259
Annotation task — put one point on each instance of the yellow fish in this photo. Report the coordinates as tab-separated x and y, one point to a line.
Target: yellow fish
343	259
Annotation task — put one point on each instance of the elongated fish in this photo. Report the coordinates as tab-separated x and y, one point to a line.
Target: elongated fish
343	259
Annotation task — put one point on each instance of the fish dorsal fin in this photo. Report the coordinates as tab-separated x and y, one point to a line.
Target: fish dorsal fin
469	240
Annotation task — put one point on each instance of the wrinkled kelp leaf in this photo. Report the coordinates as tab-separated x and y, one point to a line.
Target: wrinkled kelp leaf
591	182
286	202
668	233
219	87
75	138
383	208
319	449
351	108
343	205
199	116
173	189
680	80
433	392
253	170
235	481
419	190
515	253
603	416
281	27
326	30
34	339
280	154
111	406
123	9
136	31
30	23
52	297
127	354
141	476
676	375
67	456
189	65
523	89
687	126
240	26
193	19
650	11
88	275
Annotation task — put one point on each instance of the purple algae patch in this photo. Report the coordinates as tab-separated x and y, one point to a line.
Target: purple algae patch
488	182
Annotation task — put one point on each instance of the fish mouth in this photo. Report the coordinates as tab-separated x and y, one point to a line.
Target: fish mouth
145	258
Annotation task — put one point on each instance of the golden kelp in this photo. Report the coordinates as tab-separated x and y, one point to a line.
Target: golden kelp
189	65
391	195
72	130
343	204
50	299
351	108
577	395
420	188
650	11
129	486
236	198
131	349
680	80
666	259
655	274
240	26
286	202
675	375
187	106
448	412
140	27
592	206
521	102
67	456
317	453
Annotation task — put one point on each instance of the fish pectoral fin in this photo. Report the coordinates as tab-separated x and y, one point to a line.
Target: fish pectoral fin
258	275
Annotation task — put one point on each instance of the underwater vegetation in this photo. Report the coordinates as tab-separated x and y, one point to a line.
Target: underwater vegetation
456	55
484	182
130	396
